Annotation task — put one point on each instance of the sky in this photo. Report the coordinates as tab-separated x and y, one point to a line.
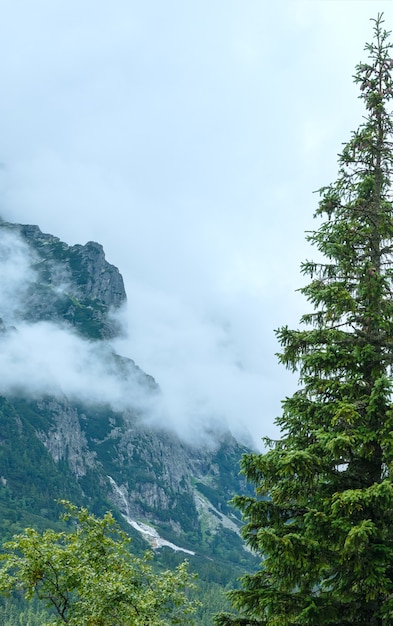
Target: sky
187	138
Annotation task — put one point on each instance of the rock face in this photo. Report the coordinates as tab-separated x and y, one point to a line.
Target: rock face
64	439
73	283
97	454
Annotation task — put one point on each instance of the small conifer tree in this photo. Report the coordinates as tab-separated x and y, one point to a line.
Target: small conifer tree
322	515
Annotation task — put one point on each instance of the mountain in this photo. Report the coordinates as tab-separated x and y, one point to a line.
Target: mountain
76	417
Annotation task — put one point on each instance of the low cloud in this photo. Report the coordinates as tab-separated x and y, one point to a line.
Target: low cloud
38	358
204	388
208	372
16	275
209	367
43	358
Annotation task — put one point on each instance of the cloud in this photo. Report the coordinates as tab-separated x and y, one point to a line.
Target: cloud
207	371
39	358
187	138
210	367
16	275
195	360
44	359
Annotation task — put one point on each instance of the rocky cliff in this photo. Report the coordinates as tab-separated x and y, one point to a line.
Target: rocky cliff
72	283
54	446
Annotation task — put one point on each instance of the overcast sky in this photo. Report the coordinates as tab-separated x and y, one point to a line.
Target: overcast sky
187	137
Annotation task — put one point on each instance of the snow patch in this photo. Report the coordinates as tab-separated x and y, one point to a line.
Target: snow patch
148	532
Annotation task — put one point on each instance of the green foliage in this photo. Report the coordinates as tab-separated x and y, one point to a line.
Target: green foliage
215	577
321	516
88	576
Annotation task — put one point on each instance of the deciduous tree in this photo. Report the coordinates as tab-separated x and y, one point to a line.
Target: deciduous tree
322	515
89	577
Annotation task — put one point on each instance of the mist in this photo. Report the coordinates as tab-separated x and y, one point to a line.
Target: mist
204	386
47	358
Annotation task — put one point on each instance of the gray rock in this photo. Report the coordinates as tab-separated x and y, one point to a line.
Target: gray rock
74	284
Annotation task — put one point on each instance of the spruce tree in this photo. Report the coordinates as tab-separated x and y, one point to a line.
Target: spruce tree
322	515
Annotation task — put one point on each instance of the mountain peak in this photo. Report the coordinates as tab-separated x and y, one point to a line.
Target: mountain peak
73	284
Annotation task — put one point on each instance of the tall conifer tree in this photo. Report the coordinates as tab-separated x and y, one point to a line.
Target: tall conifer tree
322	516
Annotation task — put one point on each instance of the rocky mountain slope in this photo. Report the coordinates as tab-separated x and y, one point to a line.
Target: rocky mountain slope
55	444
